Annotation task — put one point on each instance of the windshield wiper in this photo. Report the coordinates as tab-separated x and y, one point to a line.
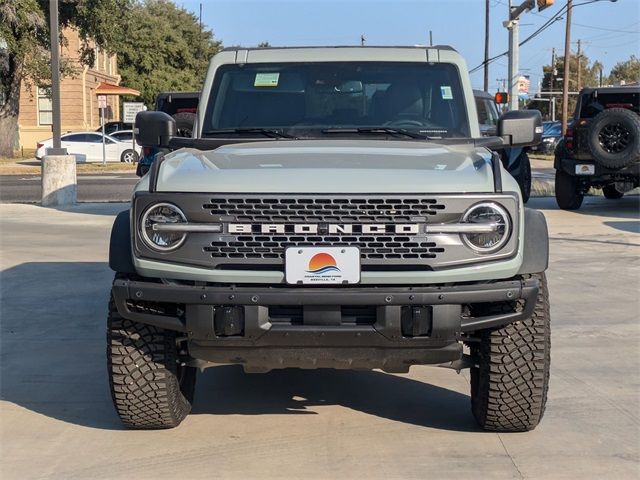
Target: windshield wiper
377	130
267	132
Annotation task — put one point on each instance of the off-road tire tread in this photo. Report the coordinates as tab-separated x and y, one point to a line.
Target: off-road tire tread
142	374
511	380
567	194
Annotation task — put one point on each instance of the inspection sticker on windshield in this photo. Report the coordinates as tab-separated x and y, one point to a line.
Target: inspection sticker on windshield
266	79
322	265
445	90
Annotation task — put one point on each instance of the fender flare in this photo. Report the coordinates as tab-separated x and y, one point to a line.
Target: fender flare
536	243
120	256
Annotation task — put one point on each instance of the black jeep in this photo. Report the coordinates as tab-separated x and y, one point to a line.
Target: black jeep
602	148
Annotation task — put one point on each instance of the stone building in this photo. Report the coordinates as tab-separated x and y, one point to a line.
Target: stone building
78	96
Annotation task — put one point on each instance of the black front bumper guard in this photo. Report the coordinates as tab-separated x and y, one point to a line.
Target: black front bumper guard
388	299
321	339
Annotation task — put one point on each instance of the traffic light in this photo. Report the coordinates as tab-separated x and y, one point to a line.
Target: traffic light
542	4
502	98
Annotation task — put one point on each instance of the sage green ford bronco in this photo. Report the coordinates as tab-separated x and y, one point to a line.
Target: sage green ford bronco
335	208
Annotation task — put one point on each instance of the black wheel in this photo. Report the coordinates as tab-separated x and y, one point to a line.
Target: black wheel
129	156
524	179
611	192
510	382
184	123
568	193
614	138
150	389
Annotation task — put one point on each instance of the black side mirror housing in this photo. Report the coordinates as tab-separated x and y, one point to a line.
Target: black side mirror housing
154	129
520	128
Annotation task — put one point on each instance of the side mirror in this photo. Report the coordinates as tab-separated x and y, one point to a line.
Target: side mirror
154	129
520	128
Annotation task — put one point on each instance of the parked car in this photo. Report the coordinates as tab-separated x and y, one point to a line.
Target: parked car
515	160
551	135
111	127
343	212
88	145
602	148
123	136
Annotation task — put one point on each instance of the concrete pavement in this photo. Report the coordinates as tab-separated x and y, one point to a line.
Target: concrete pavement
57	420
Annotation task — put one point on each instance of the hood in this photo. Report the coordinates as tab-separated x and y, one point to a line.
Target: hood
329	166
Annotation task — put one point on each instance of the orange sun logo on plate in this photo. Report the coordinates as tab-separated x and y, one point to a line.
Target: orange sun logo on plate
322	263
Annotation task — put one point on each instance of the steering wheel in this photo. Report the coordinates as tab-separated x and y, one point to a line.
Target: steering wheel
404	122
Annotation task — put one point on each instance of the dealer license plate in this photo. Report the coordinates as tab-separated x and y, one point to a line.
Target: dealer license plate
585	169
322	265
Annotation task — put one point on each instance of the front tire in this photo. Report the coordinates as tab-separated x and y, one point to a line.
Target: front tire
568	194
510	381
524	179
149	388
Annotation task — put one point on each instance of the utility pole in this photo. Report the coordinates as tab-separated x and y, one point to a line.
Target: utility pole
512	26
578	56
552	101
567	59
55	80
486	46
200	34
600	80
431	38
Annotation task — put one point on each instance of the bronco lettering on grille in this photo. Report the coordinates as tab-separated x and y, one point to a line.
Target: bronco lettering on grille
331	228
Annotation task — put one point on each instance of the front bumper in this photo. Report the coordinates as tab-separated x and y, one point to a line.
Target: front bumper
323	331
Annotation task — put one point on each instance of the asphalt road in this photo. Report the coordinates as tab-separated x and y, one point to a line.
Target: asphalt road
57	420
115	187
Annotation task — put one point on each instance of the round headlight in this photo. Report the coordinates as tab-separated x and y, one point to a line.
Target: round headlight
152	232
490	214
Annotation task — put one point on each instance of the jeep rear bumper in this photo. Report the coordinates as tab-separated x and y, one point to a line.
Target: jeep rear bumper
340	327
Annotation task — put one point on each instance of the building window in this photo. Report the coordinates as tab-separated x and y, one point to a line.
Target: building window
45	108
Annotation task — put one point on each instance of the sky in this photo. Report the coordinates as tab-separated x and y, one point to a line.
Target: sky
610	32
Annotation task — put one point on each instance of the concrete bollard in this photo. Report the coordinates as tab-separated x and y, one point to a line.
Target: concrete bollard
59	185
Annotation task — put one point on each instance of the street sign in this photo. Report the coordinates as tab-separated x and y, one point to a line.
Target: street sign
102	101
130	109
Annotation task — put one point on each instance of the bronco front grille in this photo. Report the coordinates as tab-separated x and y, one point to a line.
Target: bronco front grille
362	209
272	247
249	239
320	209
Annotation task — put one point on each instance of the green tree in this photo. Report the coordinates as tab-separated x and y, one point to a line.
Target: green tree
589	74
24	28
164	50
264	45
627	71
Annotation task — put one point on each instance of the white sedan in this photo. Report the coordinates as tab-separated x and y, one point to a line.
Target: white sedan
88	147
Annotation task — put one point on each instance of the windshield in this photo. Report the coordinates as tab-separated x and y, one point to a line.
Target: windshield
305	99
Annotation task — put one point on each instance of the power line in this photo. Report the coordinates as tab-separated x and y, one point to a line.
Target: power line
581	24
544	26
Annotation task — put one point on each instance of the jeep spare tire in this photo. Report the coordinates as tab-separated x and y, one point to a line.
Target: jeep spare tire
184	123
614	138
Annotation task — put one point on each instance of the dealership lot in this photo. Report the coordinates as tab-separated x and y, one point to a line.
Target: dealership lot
58	420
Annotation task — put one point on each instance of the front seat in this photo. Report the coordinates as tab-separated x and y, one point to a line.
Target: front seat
403	102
